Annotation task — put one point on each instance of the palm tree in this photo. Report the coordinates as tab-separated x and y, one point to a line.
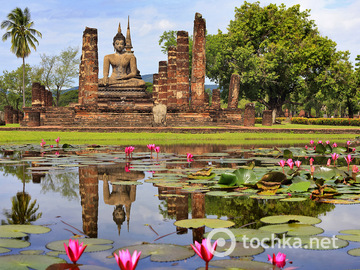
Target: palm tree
19	28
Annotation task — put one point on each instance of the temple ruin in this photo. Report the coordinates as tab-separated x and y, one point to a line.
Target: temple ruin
120	100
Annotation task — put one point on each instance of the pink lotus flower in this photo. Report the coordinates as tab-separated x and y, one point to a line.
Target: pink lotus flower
279	260
204	250
129	150
334	145
42	144
311	142
51	146
348	160
311	161
328	163
57	153
157	149
306	147
151	147
57	140
327	142
320	142
354	149
334	157
282	164
348	143
189	157
74	250
126	261
290	163
298	163
355	169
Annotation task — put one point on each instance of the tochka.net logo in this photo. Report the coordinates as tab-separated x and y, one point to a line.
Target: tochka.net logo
267	242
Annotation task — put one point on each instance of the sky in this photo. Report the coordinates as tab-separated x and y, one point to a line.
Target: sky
62	23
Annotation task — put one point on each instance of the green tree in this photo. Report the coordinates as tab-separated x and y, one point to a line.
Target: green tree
277	51
59	71
19	28
11	85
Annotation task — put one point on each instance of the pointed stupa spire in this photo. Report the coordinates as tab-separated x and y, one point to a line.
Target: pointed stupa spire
119	29
128	46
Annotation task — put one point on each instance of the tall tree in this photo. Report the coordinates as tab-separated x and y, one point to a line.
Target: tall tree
58	71
19	28
277	52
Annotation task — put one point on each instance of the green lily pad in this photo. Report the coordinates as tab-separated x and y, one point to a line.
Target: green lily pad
228	179
356	232
4	250
242	235
323	243
24	262
93	244
243	264
161	252
267	197
31	252
208	222
291	219
325	173
293	229
299	187
14	243
241	250
354	252
17	231
320	148
293	199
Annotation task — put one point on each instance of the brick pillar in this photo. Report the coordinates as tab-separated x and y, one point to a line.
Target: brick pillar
182	70
49	99
171	78
36	95
234	88
89	68
182	210
8	114
155	92
206	99
162	81
16	116
42	95
267	118
249	115
89	193
216	100
198	62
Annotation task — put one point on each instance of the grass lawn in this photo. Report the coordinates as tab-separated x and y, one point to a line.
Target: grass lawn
116	138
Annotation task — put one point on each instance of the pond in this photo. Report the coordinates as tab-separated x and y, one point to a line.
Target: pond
97	192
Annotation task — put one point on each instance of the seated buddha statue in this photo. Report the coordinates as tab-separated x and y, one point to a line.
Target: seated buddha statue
123	62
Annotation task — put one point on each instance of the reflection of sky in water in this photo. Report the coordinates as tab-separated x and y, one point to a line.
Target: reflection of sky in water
145	210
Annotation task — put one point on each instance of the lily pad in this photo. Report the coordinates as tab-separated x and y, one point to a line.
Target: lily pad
290	219
354	252
17	231
161	252
32	252
243	264
93	244
299	187
4	250
292	229
14	243
293	199
24	262
208	222
323	243
241	250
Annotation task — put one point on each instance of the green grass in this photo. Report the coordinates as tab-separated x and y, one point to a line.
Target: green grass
22	137
299	126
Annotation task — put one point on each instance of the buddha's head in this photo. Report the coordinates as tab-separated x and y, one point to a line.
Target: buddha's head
119	42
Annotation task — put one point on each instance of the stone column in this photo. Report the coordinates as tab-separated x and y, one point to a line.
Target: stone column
198	62
155	91
182	70
249	115
89	68
234	88
49	99
42	95
163	66
267	118
89	193
8	114
216	100
36	95
171	78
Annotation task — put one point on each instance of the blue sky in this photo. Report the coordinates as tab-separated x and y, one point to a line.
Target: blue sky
62	23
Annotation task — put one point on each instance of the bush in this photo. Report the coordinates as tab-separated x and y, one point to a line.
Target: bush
326	121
